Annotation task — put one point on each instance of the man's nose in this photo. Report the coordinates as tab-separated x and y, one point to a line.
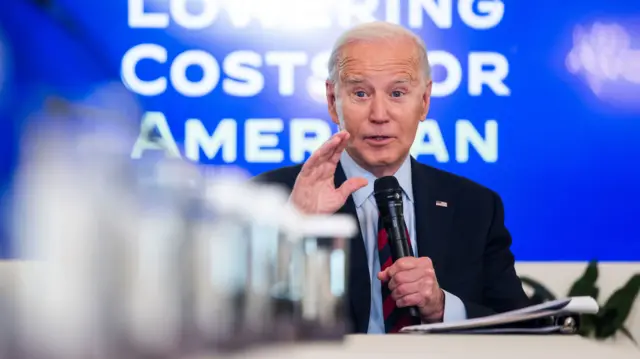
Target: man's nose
379	113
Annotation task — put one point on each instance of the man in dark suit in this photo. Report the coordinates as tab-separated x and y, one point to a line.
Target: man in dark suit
378	91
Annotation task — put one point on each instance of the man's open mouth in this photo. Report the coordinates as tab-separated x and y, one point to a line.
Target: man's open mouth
380	140
377	138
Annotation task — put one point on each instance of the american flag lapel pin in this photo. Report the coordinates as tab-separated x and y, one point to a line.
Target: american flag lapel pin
441	203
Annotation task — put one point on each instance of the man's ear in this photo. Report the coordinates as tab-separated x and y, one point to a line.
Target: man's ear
426	100
331	101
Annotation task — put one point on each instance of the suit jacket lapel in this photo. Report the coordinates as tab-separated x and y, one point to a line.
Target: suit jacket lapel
359	291
433	221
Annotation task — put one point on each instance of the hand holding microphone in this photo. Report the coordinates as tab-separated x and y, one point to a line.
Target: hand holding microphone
412	281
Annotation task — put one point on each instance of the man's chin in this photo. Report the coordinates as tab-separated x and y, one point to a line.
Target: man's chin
375	160
378	162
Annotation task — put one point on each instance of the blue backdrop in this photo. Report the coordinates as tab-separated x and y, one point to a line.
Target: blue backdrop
554	131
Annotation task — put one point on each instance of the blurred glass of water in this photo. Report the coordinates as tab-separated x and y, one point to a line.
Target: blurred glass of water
158	258
73	212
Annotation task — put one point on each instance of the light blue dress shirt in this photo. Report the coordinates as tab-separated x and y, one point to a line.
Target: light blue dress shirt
367	212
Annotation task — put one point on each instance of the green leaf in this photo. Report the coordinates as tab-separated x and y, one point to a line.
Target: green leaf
617	308
540	292
628	334
587	324
586	285
603	321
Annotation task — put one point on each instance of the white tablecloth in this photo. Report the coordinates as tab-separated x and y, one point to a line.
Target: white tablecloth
450	347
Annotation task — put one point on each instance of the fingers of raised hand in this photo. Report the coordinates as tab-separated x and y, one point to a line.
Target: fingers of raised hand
327	152
351	185
344	136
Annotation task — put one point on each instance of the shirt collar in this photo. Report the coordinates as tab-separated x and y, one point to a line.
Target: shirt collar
352	169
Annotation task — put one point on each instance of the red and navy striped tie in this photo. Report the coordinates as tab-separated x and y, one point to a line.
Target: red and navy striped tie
394	318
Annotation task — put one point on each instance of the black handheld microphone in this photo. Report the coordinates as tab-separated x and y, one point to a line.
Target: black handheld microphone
388	194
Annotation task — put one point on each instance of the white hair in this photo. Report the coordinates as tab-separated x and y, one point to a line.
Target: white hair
372	31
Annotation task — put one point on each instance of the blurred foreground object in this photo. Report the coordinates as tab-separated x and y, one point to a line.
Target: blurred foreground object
140	259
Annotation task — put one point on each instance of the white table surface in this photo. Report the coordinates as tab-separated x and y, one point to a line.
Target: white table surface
448	346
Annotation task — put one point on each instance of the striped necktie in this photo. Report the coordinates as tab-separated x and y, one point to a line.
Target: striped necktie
394	318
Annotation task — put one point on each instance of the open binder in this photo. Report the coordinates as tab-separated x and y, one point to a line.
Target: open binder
560	317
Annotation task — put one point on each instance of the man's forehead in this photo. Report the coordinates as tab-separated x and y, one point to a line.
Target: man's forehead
397	73
374	60
360	61
381	49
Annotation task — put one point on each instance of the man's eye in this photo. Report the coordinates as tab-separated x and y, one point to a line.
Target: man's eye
361	94
397	93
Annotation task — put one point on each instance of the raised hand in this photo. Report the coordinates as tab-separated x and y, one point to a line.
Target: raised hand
314	191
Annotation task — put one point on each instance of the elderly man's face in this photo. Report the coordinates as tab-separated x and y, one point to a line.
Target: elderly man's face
381	98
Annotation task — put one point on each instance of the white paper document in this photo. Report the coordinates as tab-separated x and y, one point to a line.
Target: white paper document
559	307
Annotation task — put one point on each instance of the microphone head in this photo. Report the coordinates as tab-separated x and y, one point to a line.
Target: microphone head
386	183
388	194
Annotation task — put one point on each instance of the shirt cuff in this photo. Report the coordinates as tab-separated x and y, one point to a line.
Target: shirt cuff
454	309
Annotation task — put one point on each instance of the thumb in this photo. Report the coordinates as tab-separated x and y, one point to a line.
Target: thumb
384	276
351	185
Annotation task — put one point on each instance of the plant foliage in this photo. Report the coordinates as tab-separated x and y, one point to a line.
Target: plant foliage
611	316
